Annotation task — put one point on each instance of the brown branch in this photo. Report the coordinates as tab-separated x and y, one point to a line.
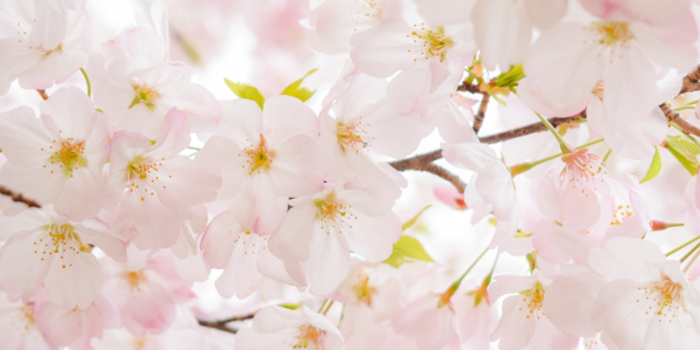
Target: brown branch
479	117
691	82
43	94
424	162
474	89
674	117
222	324
417	162
530	129
443	173
18	197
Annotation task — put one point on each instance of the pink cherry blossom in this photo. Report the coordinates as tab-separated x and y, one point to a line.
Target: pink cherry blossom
58	158
40	43
271	155
230	243
280	328
648	302
319	232
57	252
136	86
154	184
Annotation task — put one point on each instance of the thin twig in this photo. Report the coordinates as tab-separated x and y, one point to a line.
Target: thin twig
474	89
417	162
18	197
691	82
443	173
479	117
424	162
216	325
530	129
222	324
675	117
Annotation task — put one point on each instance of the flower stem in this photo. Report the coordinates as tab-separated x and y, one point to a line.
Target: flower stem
323	305
328	307
523	167
562	144
685	257
692	261
682	246
445	297
87	81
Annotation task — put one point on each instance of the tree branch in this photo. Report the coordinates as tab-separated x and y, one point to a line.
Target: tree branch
479	117
675	117
424	162
222	324
691	82
474	89
530	129
18	197
417	162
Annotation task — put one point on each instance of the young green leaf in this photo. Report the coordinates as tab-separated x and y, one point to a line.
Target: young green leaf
294	89
247	92
406	249
406	225
685	151
654	168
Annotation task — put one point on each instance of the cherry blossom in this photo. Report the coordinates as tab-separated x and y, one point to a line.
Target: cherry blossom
272	155
648	302
154	183
58	158
57	252
146	203
325	227
40	43
279	328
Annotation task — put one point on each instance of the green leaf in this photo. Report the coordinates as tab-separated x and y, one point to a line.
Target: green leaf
406	249
654	168
292	306
294	89
532	260
511	78
685	151
247	92
406	225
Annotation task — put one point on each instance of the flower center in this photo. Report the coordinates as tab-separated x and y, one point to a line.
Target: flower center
581	164
373	9
533	298
364	291
435	42
349	136
259	158
250	242
138	171
309	334
145	95
135	278
612	32
28	314
329	208
670	292
140	343
332	214
70	156
61	241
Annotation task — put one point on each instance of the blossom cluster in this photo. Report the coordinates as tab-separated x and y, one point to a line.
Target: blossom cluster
141	210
